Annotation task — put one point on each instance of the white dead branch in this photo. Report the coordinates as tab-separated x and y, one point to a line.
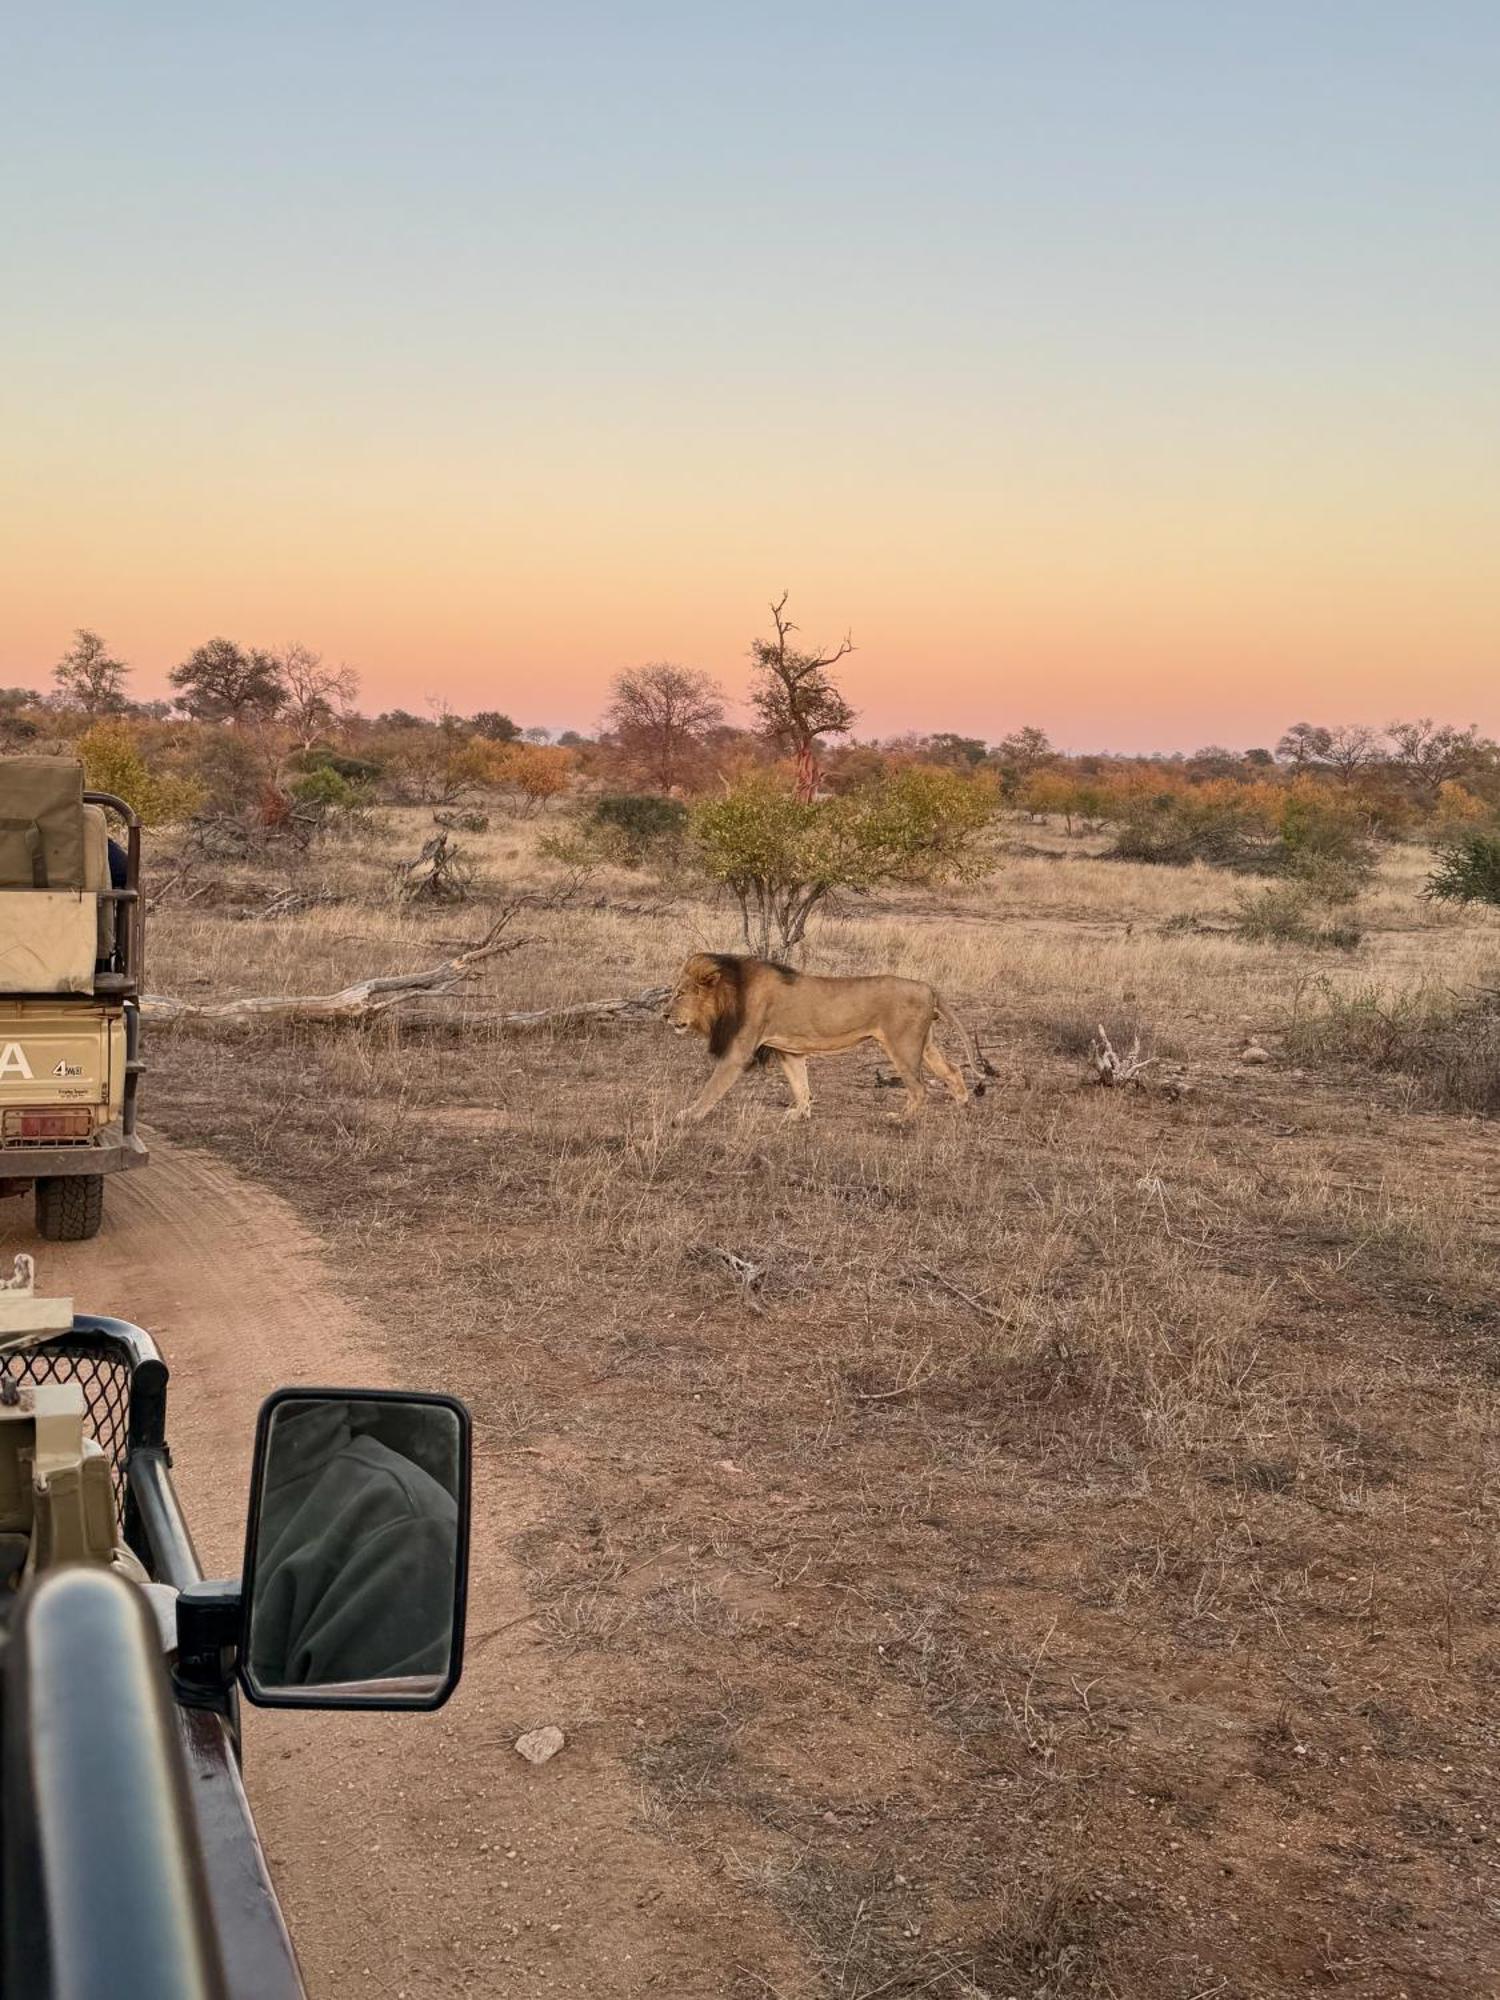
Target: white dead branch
1111	1068
368	997
632	1007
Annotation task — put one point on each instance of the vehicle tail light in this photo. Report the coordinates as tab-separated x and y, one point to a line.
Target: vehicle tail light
47	1124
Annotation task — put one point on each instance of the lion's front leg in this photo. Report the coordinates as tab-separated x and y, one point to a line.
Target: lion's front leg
795	1070
725	1074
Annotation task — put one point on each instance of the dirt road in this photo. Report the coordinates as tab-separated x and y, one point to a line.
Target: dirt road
415	1855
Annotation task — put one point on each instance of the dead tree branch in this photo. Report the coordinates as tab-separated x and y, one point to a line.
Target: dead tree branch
1111	1068
362	1001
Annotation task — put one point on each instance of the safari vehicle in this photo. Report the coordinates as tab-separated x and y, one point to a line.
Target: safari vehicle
70	969
129	1862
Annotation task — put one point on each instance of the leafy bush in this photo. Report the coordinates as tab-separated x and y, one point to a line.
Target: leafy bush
112	762
780	855
1468	871
327	789
1447	1046
358	770
636	823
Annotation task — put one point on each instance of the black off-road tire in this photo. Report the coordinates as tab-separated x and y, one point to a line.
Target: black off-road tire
69	1207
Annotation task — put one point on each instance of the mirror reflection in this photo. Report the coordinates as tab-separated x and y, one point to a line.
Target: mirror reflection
354	1576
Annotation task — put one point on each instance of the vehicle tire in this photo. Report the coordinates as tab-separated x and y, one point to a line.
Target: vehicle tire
69	1207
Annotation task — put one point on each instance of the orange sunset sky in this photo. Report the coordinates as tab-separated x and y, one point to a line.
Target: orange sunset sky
1130	371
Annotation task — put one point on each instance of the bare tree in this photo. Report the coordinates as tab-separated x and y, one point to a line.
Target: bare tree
660	715
1351	748
795	697
314	693
88	678
1430	753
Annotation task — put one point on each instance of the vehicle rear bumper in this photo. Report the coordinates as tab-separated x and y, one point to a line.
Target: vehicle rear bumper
111	1153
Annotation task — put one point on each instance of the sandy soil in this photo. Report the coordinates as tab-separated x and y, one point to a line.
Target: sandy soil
414	1855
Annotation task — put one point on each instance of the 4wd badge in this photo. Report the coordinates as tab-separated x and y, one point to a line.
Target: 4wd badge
13	1061
68	1069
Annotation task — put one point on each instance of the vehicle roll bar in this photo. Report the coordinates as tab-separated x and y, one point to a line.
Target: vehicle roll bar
103	1881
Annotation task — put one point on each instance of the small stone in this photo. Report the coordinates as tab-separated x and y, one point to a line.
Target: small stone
537	1745
1254	1053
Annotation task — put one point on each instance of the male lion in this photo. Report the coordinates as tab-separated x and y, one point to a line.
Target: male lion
749	1008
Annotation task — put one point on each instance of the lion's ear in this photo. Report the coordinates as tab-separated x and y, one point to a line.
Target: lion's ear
711	977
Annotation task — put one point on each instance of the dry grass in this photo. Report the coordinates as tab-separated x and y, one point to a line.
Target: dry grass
1065	1567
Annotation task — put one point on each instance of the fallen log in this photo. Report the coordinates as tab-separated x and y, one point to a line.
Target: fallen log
633	1007
366	998
372	997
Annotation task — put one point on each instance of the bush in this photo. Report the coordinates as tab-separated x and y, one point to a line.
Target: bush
325	788
1325	843
1174	831
635	824
1447	1046
112	762
780	855
358	770
1468	871
1296	913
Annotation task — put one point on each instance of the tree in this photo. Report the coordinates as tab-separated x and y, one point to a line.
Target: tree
780	854
795	696
661	715
538	732
313	693
1351	747
221	682
1428	753
529	773
1214	761
1305	743
963	752
87	677
1020	754
494	727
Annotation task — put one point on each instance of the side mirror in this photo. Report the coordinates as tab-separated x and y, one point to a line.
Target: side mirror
356	1551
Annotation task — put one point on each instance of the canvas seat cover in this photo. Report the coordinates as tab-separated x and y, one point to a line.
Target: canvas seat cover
54	858
41	823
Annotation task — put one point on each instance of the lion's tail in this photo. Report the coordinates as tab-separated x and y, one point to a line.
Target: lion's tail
968	1042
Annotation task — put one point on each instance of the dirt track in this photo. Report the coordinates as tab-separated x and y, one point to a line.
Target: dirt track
415	1856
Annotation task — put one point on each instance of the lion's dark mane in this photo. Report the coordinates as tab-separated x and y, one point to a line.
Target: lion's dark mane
731	1006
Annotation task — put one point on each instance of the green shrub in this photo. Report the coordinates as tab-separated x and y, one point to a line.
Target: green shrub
636	823
326	788
780	855
112	762
358	770
1468	871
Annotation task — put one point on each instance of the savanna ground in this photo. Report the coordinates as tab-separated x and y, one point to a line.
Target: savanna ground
1064	1564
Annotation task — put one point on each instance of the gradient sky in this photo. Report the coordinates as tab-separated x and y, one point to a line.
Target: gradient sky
1130	368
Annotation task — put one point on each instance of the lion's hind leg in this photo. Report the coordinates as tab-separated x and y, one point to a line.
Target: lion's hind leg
905	1051
949	1076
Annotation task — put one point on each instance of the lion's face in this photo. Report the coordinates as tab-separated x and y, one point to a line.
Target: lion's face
696	998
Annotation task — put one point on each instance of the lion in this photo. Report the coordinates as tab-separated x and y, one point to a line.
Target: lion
751	1008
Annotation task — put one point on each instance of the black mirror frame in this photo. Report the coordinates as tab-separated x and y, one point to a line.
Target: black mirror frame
464	1497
